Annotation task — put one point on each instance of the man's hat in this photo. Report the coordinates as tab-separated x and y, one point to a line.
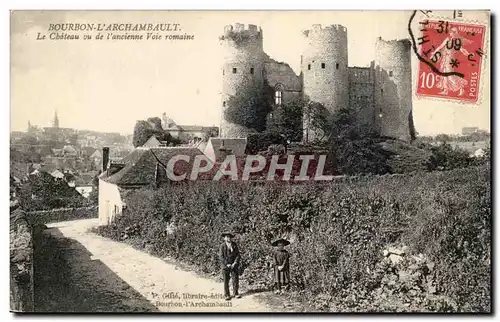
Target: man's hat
280	240
227	233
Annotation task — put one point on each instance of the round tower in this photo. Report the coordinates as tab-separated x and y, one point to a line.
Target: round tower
324	66
243	65
393	87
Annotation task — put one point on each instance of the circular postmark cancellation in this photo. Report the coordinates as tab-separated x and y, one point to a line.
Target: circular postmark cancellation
189	301
450	55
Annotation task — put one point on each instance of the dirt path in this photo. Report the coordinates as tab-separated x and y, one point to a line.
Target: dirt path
113	276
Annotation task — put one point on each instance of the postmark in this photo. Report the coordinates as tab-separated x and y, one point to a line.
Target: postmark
450	56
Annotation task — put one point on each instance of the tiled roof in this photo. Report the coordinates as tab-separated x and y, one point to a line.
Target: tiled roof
192	128
236	146
140	164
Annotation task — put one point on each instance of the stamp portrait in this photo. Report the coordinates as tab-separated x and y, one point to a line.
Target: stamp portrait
451	55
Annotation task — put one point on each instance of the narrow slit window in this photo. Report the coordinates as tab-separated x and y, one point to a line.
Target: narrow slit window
323	65
308	66
390	73
224	103
337	66
234	70
382	90
251	70
223	72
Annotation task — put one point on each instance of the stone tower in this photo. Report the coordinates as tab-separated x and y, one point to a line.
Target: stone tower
393	87
324	66
243	65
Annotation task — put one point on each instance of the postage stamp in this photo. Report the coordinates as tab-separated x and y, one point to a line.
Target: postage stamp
450	60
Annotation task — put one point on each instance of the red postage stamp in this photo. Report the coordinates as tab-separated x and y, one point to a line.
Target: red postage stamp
450	60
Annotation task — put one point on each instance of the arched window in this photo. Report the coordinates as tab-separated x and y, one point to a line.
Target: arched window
278	94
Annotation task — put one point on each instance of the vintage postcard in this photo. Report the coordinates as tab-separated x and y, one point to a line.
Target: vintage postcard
250	161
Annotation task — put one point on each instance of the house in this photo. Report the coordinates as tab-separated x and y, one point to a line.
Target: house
469	130
152	142
70	151
187	132
85	191
217	148
96	158
143	167
57	152
87	151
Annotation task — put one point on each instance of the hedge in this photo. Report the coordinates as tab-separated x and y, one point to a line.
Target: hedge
339	231
63	214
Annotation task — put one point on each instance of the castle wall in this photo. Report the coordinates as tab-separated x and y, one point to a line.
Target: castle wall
281	73
393	89
361	93
381	94
243	66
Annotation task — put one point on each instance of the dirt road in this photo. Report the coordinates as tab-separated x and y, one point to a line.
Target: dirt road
107	276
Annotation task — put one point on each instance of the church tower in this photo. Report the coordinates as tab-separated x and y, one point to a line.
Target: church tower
55	123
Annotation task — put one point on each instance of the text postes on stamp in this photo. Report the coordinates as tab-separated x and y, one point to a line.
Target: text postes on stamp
452	54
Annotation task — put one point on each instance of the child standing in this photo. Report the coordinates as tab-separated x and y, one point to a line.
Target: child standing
281	264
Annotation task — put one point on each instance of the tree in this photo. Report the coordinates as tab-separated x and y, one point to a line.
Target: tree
250	106
319	119
354	146
143	130
155	123
287	120
45	192
444	157
443	138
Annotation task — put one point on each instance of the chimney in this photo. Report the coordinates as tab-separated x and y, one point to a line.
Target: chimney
105	158
223	152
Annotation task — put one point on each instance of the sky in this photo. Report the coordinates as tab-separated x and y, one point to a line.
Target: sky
108	85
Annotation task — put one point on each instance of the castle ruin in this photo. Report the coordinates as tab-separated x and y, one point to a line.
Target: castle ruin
380	94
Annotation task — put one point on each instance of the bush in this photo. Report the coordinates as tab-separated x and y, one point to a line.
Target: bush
64	214
258	142
444	157
338	231
250	106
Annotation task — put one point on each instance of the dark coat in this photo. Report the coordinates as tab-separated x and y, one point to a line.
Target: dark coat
229	257
282	258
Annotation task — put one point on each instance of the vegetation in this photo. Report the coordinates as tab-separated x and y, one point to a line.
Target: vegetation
143	130
44	192
339	231
250	106
287	120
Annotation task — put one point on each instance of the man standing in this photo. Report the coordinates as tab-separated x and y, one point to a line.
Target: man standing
229	255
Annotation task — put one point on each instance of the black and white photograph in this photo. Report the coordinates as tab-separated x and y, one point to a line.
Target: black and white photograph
188	161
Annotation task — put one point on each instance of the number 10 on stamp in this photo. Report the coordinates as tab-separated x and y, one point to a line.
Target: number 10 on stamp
451	58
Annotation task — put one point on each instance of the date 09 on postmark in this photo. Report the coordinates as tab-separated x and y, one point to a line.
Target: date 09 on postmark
450	60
